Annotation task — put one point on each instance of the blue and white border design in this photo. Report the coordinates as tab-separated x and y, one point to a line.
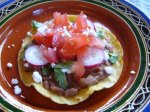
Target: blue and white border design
4	3
143	90
137	10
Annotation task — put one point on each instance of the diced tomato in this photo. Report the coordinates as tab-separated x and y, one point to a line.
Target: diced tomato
81	22
60	20
56	18
80	40
47	40
74	29
68	50
49	53
58	41
69	47
38	37
64	20
78	69
96	42
65	56
82	50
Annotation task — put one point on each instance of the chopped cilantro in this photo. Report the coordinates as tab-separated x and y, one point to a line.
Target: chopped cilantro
36	24
60	77
26	46
23	52
113	58
46	70
100	34
66	64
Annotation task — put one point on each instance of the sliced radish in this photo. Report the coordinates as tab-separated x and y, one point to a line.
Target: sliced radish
49	54
96	42
92	57
34	56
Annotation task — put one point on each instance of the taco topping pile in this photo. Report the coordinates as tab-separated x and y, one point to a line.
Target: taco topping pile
66	55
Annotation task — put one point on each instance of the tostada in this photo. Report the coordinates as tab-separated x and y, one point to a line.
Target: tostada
69	57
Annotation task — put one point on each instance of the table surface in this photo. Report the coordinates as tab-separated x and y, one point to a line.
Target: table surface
143	5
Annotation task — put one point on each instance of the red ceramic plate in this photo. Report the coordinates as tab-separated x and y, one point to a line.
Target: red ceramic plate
16	24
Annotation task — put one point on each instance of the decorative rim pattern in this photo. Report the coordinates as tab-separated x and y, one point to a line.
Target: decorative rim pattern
5	2
143	94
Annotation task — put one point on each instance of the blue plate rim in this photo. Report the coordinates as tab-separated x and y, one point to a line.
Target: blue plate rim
147	106
137	10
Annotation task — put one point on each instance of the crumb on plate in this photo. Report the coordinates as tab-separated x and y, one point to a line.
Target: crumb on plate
9	65
17	90
132	72
14	81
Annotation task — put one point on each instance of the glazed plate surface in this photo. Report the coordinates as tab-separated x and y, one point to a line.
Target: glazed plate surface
132	30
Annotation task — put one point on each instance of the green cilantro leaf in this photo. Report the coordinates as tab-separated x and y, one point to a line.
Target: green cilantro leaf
66	64
45	70
23	52
113	58
100	34
60	77
36	24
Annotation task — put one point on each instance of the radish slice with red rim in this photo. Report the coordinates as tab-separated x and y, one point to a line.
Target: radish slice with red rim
92	57
34	56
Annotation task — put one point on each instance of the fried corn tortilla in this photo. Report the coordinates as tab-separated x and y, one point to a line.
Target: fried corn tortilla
83	94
